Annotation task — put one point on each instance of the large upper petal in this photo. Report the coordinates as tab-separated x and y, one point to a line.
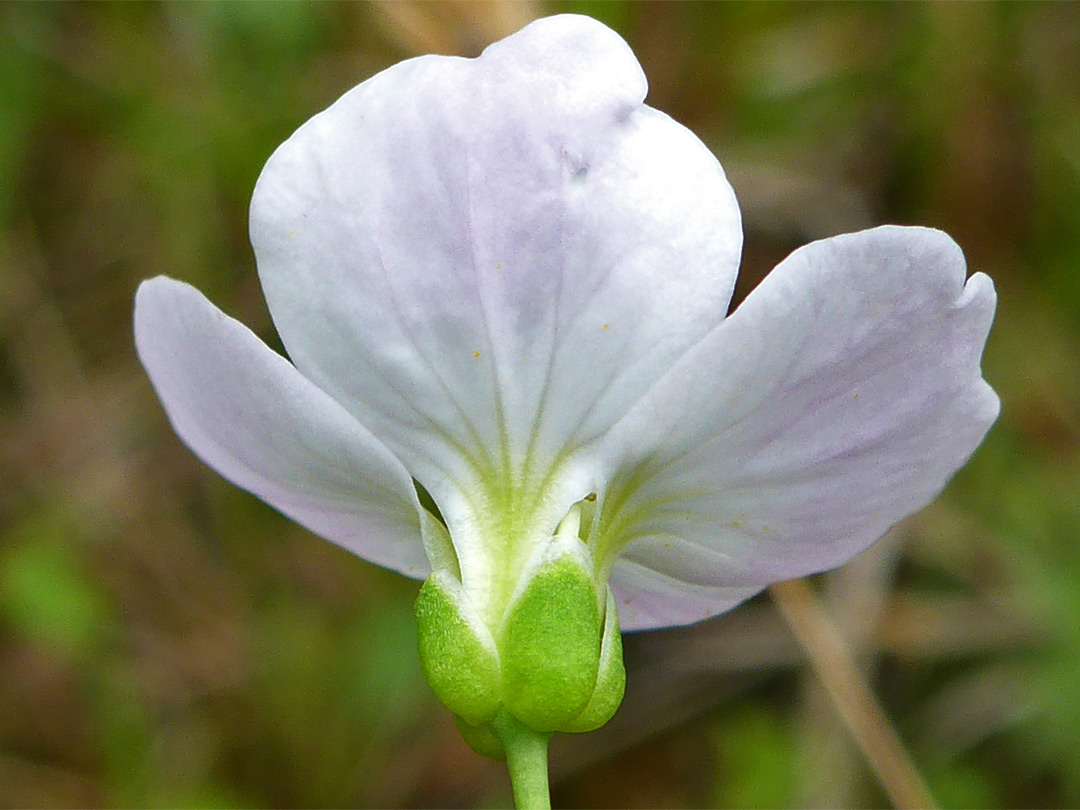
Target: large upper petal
836	400
488	260
246	412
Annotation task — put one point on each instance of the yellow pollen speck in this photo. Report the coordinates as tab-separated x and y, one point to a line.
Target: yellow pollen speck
476	355
498	266
856	396
605	327
735	524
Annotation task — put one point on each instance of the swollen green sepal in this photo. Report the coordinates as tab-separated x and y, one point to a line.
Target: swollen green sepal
551	640
457	652
481	739
610	681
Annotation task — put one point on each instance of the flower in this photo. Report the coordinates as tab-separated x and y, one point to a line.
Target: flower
507	279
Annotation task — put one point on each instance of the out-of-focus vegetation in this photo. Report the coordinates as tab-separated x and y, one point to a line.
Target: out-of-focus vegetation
168	640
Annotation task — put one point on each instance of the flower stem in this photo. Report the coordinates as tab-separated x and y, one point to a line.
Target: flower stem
526	759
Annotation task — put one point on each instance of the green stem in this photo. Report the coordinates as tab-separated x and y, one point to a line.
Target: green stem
526	759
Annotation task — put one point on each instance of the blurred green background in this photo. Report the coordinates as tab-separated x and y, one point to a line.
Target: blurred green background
168	640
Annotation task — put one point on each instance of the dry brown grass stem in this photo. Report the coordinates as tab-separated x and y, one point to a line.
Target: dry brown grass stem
854	701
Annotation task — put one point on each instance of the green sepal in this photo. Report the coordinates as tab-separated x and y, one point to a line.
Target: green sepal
457	652
550	640
610	681
482	739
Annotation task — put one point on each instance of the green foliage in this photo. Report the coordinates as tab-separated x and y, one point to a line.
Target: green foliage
45	592
755	758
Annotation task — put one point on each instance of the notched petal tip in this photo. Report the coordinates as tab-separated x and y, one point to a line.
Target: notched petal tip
978	293
594	61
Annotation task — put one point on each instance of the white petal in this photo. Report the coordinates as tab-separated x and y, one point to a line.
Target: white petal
246	412
648	598
835	401
488	261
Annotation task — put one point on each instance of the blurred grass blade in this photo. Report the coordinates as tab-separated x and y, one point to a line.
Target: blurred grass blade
857	706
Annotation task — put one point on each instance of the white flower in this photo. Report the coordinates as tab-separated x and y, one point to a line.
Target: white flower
507	278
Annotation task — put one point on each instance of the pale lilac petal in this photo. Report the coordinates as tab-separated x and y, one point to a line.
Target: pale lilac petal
246	412
648	598
838	399
488	261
